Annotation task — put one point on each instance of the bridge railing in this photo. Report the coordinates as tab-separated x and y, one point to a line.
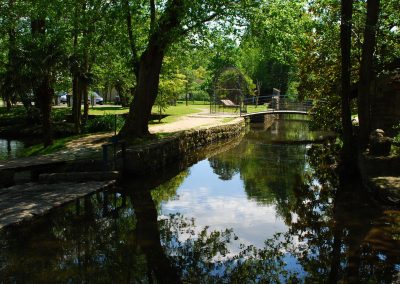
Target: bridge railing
274	103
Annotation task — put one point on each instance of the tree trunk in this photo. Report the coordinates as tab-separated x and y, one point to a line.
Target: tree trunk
43	92
162	35
132	40
148	237
345	43
10	88
366	73
85	86
76	103
76	89
136	124
45	95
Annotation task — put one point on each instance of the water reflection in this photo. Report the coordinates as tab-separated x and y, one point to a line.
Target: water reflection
256	213
10	148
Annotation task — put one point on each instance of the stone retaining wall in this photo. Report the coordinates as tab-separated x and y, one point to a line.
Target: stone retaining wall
371	166
147	158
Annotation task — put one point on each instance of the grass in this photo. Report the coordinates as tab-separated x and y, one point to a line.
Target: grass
108	110
38	149
174	112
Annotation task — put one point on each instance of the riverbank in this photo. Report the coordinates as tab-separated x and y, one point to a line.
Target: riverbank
381	175
30	187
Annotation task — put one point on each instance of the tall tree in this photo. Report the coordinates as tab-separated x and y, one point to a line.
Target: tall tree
178	19
366	72
345	44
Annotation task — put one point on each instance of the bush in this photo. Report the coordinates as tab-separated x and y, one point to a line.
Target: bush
396	140
105	122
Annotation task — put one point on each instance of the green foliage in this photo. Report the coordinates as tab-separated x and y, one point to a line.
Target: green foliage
233	84
396	140
107	122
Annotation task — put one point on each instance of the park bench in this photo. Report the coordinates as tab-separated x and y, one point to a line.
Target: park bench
229	104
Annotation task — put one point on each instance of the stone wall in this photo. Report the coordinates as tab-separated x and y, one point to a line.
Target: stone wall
386	103
143	159
371	166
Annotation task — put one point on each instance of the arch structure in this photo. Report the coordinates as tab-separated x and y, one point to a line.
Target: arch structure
230	89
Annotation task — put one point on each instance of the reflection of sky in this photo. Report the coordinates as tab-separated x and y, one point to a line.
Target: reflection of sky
223	204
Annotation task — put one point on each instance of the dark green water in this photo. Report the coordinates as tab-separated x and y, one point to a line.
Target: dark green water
259	212
10	149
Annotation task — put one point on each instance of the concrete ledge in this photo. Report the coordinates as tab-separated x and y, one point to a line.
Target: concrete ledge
24	202
79	176
153	156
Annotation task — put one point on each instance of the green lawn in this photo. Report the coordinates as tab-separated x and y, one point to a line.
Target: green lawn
234	110
174	112
108	110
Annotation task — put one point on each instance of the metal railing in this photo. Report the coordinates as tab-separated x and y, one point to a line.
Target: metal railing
274	104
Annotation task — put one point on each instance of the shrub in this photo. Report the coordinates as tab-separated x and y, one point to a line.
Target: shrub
396	140
105	122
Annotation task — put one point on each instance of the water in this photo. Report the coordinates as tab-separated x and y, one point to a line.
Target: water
10	149
261	211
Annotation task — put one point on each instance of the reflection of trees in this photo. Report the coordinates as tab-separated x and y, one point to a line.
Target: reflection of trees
91	241
115	237
270	172
335	221
223	168
205	256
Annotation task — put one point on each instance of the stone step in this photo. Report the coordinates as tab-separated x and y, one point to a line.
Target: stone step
387	188
79	176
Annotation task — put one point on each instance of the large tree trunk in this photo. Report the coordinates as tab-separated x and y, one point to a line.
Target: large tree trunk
76	103
76	89
162	35
43	91
45	95
136	124
366	73
10	78
345	44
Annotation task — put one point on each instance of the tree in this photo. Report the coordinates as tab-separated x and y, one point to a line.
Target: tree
366	72
178	19
345	44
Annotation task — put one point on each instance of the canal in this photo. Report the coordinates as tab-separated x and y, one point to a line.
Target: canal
9	149
267	210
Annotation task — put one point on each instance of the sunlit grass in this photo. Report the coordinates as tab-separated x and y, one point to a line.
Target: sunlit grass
174	112
108	110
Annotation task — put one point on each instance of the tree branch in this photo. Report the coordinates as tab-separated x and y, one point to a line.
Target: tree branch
132	41
197	24
152	14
